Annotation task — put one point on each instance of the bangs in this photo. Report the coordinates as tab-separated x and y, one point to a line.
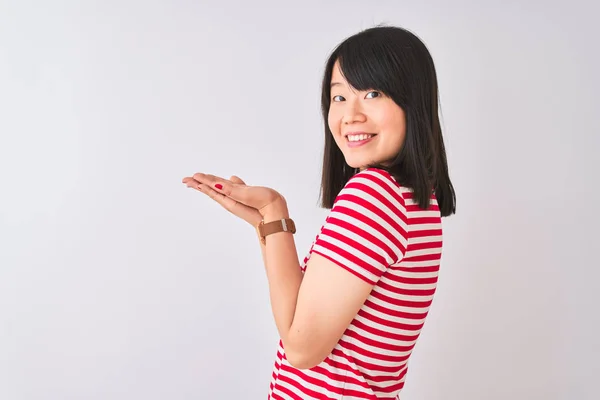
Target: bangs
365	64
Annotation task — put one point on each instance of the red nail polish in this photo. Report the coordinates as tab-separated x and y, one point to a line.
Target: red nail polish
219	186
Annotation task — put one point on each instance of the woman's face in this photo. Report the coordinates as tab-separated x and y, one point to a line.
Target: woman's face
367	126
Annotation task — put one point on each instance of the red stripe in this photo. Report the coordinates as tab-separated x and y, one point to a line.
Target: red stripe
397	236
380	345
416	208
371	206
406	292
376	193
394	313
351	198
338	365
424	233
314	381
340	378
285	390
392	324
412	281
400	302
424	257
359	247
365	236
376	356
387	378
383	334
391	388
382	177
425	220
422	269
292	382
425	246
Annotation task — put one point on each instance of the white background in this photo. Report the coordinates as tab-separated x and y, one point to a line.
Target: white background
117	282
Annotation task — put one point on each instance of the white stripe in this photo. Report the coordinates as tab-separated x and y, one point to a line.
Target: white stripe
424	213
403	297
283	395
425	239
393	214
383	226
387	341
376	350
397	308
424	252
425	227
352	250
410	275
344	384
396	320
395	331
412	264
310	386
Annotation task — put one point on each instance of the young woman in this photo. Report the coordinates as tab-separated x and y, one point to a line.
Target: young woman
350	313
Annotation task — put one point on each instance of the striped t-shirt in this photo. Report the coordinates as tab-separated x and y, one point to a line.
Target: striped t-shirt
377	232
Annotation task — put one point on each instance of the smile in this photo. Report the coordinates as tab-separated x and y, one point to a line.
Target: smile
358	138
355	140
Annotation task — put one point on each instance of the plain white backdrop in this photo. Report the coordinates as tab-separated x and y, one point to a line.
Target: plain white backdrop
117	282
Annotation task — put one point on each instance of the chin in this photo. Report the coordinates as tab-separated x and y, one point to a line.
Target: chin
354	164
360	164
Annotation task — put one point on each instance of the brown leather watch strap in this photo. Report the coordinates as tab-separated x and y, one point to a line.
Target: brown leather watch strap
280	225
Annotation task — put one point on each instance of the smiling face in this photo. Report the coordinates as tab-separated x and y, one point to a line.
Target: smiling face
368	127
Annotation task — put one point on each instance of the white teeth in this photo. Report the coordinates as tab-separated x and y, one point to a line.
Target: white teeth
358	138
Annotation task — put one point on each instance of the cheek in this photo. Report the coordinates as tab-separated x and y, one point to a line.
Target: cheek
333	123
395	124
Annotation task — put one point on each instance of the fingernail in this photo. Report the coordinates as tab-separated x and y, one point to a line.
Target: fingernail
219	186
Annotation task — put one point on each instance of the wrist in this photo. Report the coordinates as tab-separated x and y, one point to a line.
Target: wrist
275	211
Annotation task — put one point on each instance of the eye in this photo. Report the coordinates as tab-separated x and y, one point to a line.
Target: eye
374	92
334	98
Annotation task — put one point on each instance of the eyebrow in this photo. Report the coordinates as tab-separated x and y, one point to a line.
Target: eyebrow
334	84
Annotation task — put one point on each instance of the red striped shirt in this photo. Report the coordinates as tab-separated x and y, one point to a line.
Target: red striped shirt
376	232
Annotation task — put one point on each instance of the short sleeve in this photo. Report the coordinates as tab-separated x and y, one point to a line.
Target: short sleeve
365	231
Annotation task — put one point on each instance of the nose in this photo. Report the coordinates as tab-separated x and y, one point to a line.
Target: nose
353	113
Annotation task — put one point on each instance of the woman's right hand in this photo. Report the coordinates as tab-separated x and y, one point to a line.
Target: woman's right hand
248	214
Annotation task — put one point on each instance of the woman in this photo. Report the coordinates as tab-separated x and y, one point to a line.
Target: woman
349	317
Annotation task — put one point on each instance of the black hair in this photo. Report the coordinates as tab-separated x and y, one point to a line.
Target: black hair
397	63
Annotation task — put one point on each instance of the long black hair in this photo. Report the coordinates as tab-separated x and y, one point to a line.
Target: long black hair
397	63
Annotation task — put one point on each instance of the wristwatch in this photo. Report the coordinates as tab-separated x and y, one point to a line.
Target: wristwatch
280	225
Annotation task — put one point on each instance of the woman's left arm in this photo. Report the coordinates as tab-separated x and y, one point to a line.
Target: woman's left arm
312	311
362	236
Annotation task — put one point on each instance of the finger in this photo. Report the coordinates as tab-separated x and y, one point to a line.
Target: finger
237	179
216	196
190	182
208	179
235	191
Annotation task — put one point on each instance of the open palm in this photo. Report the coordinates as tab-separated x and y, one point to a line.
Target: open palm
246	202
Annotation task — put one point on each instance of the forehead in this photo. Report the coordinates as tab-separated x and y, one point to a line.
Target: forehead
337	78
336	74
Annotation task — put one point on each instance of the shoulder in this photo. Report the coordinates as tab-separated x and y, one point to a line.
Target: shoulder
369	214
374	184
374	197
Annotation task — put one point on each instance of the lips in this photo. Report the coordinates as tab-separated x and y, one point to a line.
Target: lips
359	139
